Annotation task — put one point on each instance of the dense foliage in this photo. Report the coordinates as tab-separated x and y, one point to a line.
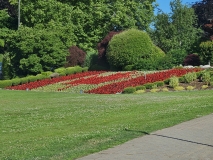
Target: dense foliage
206	52
176	30
76	57
204	12
192	59
62	24
130	47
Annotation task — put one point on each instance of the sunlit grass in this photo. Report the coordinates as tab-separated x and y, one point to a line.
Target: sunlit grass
48	125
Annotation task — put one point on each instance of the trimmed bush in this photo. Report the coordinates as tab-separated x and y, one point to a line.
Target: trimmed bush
47	73
179	88
190	77
165	89
16	81
159	83
85	69
140	88
32	78
78	69
190	88
70	70
154	90
173	82
204	86
140	91
129	90
206	77
40	76
24	80
129	48
60	70
149	85
5	83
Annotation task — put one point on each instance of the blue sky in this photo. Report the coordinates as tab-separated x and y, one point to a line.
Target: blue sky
164	5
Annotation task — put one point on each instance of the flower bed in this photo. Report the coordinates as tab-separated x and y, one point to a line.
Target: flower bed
101	82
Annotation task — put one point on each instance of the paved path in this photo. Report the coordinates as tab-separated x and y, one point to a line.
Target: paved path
192	140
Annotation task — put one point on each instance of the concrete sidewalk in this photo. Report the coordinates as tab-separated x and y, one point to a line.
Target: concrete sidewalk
192	140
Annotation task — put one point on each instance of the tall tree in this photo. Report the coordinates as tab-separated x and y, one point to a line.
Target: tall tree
176	30
92	19
203	10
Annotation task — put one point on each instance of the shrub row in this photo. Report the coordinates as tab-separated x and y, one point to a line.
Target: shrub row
43	75
154	85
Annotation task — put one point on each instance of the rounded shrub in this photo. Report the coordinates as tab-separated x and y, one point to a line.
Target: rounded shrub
129	90
190	77
60	70
179	88
189	88
206	77
70	70
159	83
173	82
140	88
149	85
128	48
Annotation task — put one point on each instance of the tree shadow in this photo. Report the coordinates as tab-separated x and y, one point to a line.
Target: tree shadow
184	140
174	138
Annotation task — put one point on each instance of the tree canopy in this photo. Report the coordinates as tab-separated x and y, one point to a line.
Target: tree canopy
49	28
176	30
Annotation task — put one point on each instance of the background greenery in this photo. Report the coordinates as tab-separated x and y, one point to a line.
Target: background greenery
49	28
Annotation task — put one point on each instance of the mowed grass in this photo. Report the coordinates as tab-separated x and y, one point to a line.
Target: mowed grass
43	126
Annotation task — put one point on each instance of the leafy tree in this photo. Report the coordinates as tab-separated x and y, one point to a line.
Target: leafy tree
206	52
177	30
92	19
37	49
204	12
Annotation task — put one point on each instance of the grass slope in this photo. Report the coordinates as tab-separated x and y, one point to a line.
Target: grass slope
39	125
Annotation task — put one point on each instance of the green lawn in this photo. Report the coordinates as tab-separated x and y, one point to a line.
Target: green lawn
42	125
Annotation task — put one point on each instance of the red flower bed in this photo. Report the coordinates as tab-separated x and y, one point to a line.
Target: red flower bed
44	82
149	78
96	79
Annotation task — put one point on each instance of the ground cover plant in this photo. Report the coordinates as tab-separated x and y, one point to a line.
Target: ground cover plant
61	125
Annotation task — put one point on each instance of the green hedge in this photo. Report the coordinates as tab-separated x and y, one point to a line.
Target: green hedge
5	83
129	90
16	81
